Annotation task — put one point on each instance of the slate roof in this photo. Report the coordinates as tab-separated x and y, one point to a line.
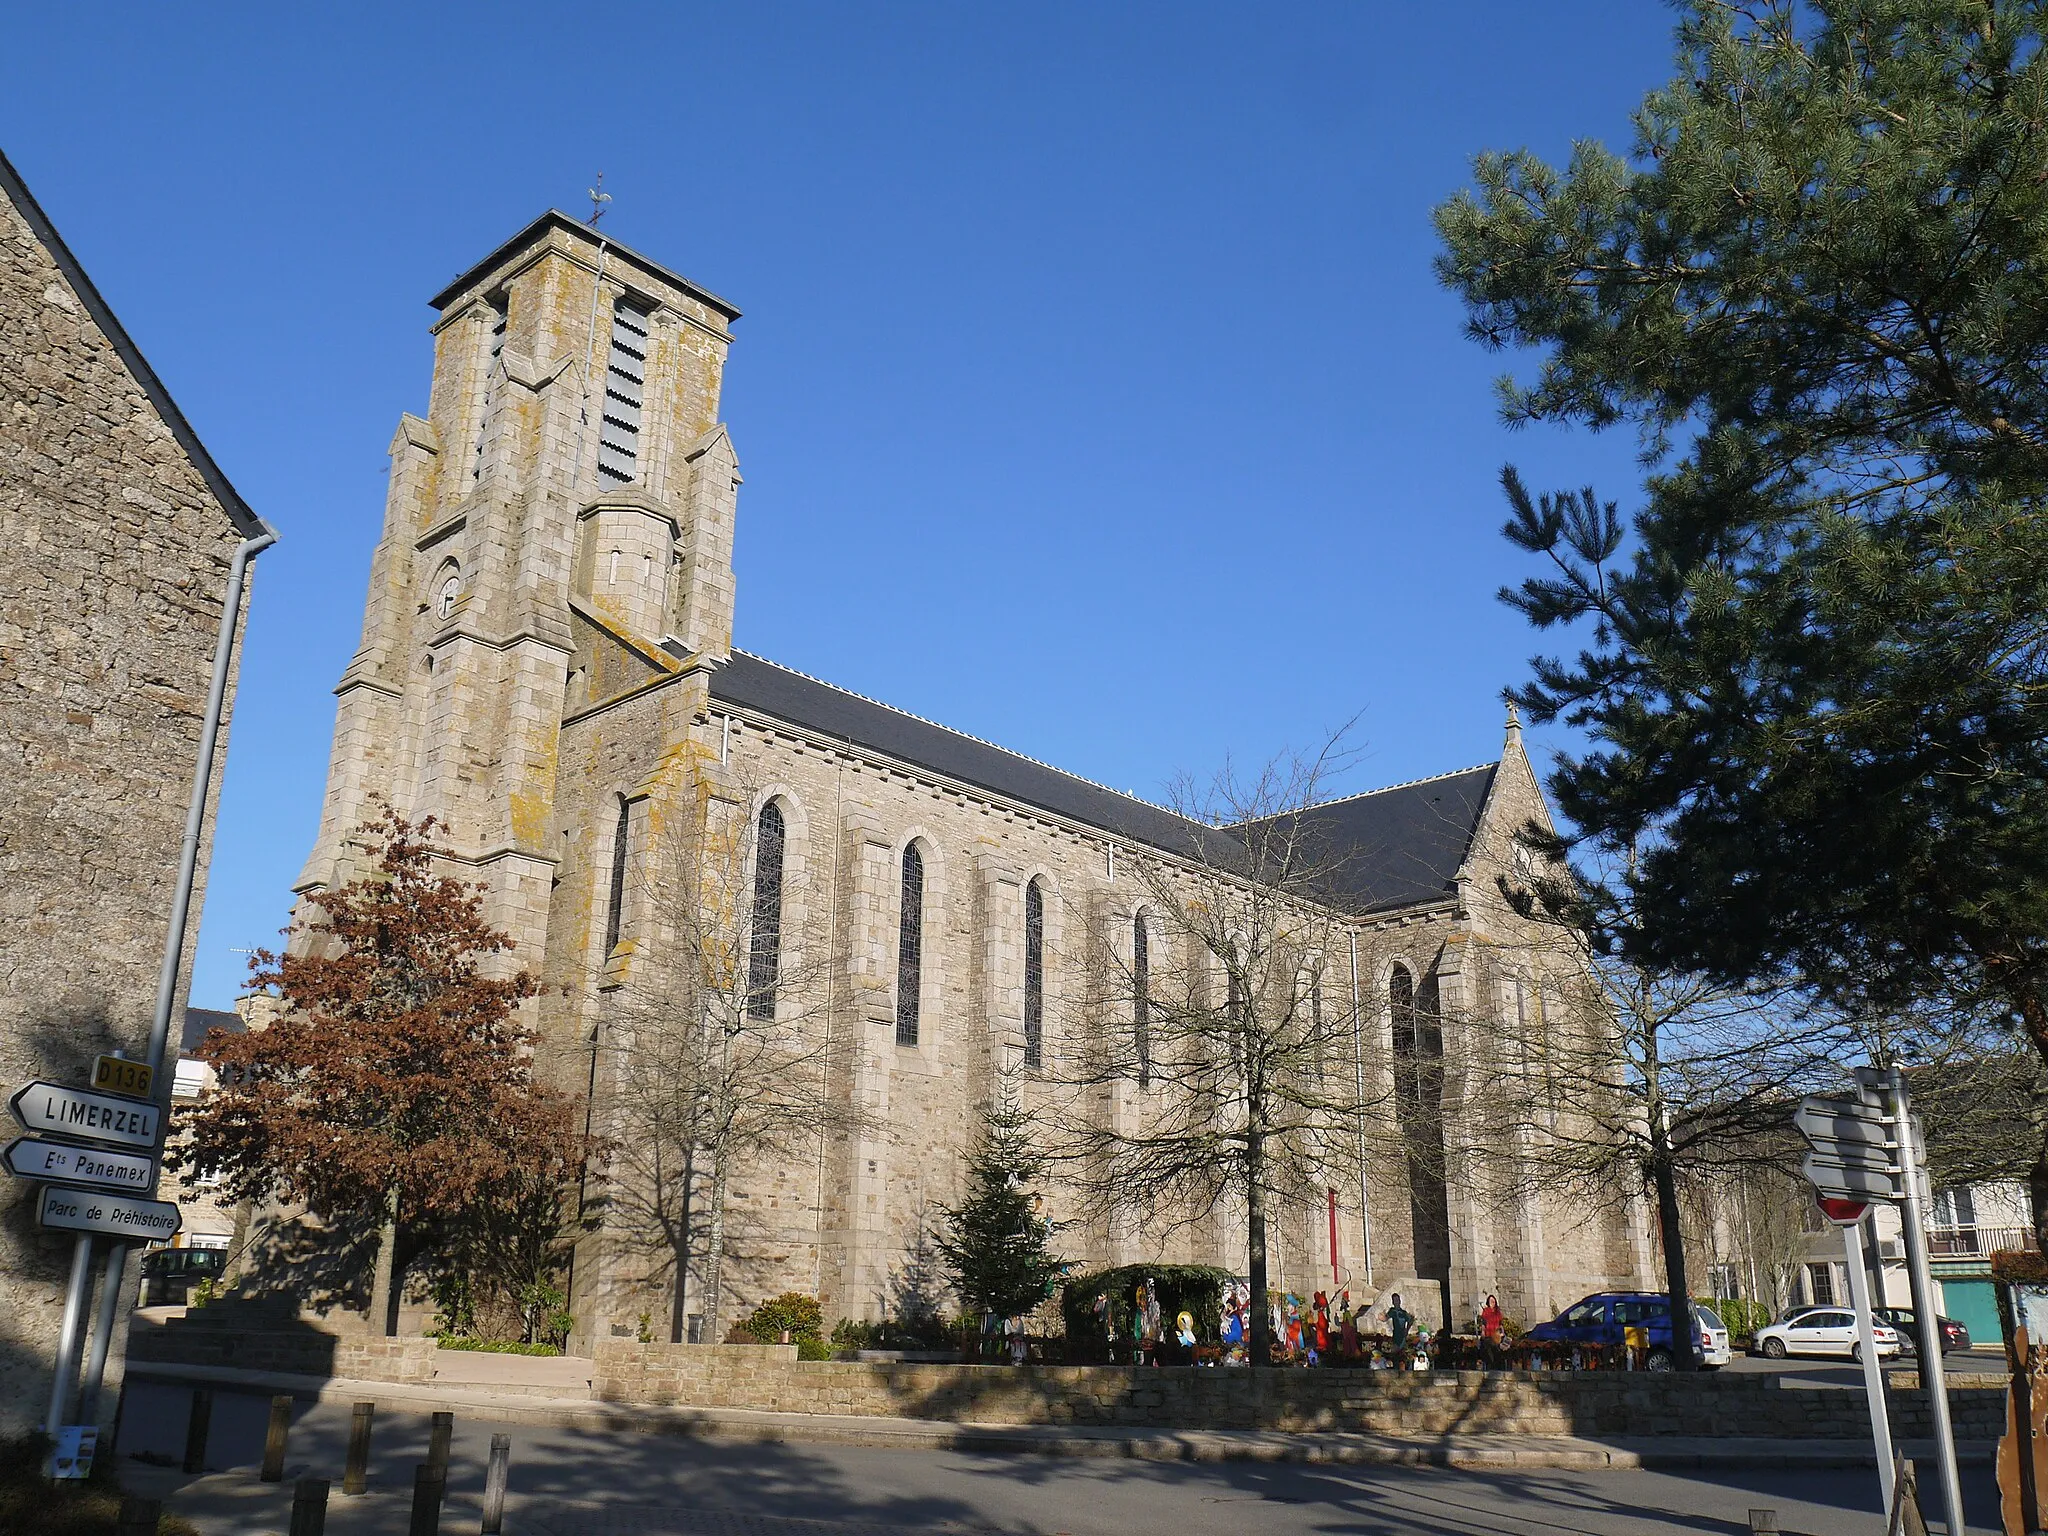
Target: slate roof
199	1020
1389	848
246	522
556	218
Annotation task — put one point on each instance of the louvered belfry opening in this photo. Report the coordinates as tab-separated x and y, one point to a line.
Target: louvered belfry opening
625	389
493	366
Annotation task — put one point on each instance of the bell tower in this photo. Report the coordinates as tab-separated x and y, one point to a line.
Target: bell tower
570	469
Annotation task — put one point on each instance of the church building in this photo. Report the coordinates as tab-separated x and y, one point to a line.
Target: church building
548	668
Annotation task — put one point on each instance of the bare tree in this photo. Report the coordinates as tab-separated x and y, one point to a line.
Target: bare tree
1617	1079
1219	1074
718	1052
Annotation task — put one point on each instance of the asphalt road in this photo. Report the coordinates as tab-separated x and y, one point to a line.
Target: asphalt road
1807	1370
584	1483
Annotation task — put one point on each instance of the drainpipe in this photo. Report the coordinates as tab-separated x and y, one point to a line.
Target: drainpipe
174	944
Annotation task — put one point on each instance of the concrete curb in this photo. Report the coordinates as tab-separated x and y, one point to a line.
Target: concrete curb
1687	1453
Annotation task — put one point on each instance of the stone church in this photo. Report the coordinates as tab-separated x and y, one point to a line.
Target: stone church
548	667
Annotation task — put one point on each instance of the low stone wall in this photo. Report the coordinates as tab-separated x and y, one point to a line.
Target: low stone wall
264	1339
769	1377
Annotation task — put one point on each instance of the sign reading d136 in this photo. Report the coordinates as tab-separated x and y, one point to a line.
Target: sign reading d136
82	1210
86	1116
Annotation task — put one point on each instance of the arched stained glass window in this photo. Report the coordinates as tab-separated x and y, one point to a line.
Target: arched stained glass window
1141	998
617	906
764	962
1034	974
910	947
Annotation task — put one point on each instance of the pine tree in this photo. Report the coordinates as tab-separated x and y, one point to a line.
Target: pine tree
1812	665
995	1241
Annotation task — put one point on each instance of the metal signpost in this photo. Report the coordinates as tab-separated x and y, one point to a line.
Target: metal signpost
95	1153
1867	1149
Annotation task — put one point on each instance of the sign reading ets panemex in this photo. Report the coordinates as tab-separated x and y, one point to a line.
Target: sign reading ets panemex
87	1116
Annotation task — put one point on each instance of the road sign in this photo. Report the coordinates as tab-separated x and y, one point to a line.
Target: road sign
58	1162
1823	1124
81	1210
117	1074
1843	1213
1849	1181
87	1116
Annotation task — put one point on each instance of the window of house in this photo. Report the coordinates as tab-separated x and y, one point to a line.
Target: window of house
1034	974
617	905
625	382
765	960
910	947
1141	998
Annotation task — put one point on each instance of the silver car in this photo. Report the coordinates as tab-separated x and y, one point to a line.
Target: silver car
1714	1347
1823	1331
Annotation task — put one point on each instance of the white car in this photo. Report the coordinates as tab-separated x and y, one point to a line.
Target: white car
1714	1350
1823	1331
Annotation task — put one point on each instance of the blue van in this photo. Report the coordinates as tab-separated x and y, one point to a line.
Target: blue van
1601	1319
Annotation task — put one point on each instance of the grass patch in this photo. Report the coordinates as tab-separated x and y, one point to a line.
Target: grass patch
32	1506
494	1346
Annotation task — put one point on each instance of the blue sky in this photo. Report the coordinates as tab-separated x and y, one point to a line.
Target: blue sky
1093	391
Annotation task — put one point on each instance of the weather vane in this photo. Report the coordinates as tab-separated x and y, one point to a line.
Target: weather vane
598	198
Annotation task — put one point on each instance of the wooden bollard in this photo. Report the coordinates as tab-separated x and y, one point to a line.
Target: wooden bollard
429	1483
275	1437
196	1427
139	1516
438	1439
355	1475
495	1478
309	1507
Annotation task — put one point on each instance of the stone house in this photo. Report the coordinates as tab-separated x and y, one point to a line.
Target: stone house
116	535
547	667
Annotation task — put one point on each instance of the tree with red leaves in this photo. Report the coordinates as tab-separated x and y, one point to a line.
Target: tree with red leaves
397	1085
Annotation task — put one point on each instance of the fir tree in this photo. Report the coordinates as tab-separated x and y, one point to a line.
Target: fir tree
1812	666
995	1242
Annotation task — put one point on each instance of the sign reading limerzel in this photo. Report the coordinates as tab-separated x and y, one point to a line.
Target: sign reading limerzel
69	1152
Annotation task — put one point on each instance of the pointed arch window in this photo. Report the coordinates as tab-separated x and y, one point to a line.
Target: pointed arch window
615	908
1034	974
1318	1048
764	962
1141	998
910	947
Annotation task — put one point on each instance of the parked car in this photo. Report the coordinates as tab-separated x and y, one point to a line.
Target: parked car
1902	1320
168	1274
1823	1331
1604	1318
1715	1349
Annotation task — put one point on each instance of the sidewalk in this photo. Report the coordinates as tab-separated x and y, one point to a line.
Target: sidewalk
525	1405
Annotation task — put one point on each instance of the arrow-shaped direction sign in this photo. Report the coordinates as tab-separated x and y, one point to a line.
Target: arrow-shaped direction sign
81	1210
87	1116
1850	1181
59	1163
1829	1127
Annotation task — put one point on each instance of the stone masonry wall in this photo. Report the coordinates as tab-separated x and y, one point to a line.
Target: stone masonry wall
113	558
770	1378
239	1334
